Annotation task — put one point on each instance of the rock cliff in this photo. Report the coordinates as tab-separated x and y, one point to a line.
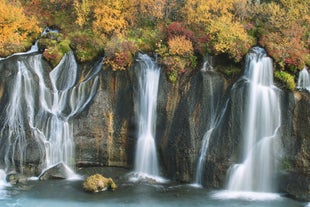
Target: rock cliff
105	132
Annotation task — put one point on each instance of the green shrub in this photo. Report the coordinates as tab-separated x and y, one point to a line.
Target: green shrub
86	46
54	46
286	78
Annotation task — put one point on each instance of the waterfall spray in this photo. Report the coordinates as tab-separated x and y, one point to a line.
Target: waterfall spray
146	164
261	123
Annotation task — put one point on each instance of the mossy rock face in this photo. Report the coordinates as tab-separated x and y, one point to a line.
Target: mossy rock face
96	183
54	45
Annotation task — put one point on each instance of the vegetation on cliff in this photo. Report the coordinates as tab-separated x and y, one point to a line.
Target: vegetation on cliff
181	32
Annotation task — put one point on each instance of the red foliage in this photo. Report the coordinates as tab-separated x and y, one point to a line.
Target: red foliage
122	59
178	29
199	39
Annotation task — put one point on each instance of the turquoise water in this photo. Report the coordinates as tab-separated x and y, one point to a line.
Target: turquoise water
62	193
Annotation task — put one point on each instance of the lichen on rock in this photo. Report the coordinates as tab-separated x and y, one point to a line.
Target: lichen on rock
96	183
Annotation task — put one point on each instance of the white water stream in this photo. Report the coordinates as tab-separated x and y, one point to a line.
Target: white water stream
304	79
41	105
262	119
146	163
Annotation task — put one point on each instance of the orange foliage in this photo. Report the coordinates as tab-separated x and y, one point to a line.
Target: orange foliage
179	45
109	18
83	10
150	8
15	26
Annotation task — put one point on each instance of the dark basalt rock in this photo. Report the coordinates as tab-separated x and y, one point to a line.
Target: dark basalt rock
105	133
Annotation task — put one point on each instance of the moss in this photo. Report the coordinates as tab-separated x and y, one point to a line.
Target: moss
230	71
286	78
172	76
54	45
285	164
146	38
86	46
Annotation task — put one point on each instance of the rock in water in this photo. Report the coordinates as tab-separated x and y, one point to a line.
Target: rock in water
97	182
58	171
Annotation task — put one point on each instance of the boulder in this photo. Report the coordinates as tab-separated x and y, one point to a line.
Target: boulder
58	171
96	183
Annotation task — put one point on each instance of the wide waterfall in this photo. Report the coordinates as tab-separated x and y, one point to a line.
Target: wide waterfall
304	79
148	74
40	106
261	121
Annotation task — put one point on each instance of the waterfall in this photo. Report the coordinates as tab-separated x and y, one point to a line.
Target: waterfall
207	63
41	106
260	123
3	182
148	74
202	156
304	80
208	73
3	185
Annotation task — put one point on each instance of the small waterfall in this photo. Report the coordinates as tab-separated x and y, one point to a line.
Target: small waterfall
3	185
3	182
207	63
41	107
202	156
146	163
304	80
207	70
261	122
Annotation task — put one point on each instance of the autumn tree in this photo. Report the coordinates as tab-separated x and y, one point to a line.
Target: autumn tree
83	10
17	31
109	18
217	19
283	29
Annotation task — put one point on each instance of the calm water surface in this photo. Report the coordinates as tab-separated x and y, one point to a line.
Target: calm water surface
62	193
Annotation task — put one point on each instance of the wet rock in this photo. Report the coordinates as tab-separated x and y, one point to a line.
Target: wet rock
295	185
12	178
104	134
58	171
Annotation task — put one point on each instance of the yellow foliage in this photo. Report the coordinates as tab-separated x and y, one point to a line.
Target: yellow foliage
83	11
230	37
15	26
217	18
296	9
179	45
110	18
199	13
152	8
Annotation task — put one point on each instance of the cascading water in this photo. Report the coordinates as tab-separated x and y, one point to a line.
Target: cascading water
207	64
42	106
146	163
304	79
261	123
207	70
